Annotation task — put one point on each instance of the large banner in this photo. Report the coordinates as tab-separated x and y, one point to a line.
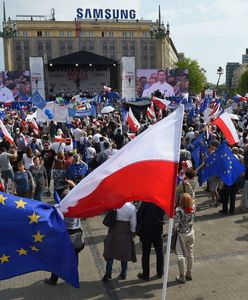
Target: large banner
76	79
37	75
128	78
168	83
14	85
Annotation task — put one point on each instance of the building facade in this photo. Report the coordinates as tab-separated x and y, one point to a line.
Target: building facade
149	42
230	68
237	74
245	57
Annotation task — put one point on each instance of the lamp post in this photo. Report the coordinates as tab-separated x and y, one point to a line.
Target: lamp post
220	71
9	29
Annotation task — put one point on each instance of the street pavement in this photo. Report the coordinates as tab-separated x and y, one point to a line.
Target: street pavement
220	270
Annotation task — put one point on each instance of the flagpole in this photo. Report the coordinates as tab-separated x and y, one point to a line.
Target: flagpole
167	259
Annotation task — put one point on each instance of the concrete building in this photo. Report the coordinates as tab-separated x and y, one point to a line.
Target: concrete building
237	74
245	57
31	35
230	68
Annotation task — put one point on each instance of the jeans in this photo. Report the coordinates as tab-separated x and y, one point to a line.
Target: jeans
6	175
38	194
109	266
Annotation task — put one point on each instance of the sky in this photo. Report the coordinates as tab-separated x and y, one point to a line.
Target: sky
211	32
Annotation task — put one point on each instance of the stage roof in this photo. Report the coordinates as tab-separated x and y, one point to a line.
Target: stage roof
83	58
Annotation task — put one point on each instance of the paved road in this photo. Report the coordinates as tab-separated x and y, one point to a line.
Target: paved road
220	268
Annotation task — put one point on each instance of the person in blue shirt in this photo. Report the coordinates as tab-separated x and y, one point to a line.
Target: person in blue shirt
77	170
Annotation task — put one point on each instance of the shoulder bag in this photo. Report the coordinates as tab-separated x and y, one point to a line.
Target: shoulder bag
110	218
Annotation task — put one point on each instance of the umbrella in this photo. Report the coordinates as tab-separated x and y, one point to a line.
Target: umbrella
234	117
107	109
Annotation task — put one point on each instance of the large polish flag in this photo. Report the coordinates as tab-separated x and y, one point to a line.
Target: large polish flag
227	127
161	103
6	133
133	123
145	169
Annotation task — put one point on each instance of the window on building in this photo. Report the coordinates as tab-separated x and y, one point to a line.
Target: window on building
91	46
18	57
69	34
69	46
104	45
26	45
61	34
48	45
145	34
83	46
131	34
124	46
40	46
124	34
18	46
39	33
46	33
25	33
109	34
62	45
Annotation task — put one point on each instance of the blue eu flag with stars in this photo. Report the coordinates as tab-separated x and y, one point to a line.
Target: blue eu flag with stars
224	164
37	100
34	237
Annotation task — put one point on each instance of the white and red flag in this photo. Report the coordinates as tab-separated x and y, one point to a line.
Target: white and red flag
242	98
34	126
161	103
6	133
225	124
145	169
150	111
133	123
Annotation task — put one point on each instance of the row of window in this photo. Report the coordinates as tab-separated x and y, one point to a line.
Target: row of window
127	34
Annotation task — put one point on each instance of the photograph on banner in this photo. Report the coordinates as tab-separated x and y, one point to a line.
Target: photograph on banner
14	85
167	82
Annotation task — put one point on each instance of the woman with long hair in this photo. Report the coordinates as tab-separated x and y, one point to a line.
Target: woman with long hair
183	224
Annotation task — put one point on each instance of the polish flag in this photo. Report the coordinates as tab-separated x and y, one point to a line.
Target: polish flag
133	123
34	126
59	139
145	169
106	89
241	98
150	111
227	127
6	133
161	103
210	113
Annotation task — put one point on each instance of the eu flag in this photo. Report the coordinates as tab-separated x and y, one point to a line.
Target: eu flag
224	164
34	237
198	154
37	100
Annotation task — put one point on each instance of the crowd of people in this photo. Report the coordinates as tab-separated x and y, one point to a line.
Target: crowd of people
58	157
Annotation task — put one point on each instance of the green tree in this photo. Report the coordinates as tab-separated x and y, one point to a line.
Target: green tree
197	78
243	83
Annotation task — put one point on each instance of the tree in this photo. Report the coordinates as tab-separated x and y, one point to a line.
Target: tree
197	78
243	83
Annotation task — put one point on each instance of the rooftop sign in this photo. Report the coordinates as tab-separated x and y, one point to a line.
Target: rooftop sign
122	14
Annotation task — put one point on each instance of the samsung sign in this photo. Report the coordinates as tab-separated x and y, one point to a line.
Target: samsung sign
106	13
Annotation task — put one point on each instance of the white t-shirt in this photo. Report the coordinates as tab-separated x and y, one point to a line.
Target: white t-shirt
165	89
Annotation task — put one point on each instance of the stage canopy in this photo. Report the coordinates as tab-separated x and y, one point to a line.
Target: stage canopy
83	58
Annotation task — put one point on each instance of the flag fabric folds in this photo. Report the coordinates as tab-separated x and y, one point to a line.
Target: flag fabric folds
133	123
37	100
150	111
6	133
227	127
198	154
161	103
33	237
145	169
224	164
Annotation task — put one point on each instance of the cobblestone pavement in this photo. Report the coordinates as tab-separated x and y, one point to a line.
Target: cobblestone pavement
220	268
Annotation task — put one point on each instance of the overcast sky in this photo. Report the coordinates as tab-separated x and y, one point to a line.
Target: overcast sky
212	32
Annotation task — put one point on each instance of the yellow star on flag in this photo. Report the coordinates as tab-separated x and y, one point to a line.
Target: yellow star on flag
38	237
2	199
22	251
34	218
34	248
4	258
20	203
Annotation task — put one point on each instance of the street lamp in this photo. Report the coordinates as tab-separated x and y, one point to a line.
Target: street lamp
9	29
220	71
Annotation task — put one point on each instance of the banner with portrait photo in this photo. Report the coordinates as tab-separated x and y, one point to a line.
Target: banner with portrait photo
14	86
163	83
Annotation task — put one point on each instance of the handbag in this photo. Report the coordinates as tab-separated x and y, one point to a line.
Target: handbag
110	218
77	240
174	241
